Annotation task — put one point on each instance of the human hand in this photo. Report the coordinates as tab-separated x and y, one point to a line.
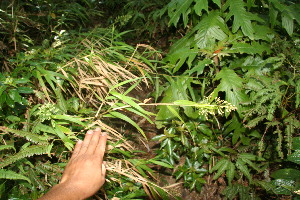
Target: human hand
85	172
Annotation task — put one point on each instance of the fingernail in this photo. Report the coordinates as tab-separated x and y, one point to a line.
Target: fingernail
103	134
79	141
89	132
98	129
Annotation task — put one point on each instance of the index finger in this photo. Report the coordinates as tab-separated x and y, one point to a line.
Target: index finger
100	149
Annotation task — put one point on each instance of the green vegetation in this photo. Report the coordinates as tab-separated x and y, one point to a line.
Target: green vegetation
218	79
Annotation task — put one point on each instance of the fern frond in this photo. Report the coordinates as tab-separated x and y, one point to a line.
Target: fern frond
8	174
36	180
3	147
27	152
27	135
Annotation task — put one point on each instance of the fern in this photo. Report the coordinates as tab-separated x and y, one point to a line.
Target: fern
266	97
7	174
3	147
27	152
28	135
36	180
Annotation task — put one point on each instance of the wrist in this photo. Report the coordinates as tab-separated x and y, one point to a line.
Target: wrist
71	188
64	191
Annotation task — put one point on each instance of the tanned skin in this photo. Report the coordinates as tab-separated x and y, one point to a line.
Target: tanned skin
85	172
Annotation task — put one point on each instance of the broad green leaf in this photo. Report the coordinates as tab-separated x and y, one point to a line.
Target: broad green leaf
13	118
218	2
182	55
201	5
285	186
287	23
251	164
2	89
25	90
296	143
177	90
232	85
64	129
295	157
175	113
253	48
211	28
14	95
287	173
9	101
8	174
22	80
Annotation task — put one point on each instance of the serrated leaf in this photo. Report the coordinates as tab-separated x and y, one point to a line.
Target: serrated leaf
212	27
248	156
218	164
230	172
3	147
241	18
199	67
24	153
232	85
201	5
221	168
218	2
251	164
182	55
11	175
253	48
178	8
28	135
241	165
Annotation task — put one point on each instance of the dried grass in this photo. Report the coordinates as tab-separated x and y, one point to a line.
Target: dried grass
95	75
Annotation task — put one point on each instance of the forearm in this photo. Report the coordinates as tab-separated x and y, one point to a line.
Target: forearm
63	191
